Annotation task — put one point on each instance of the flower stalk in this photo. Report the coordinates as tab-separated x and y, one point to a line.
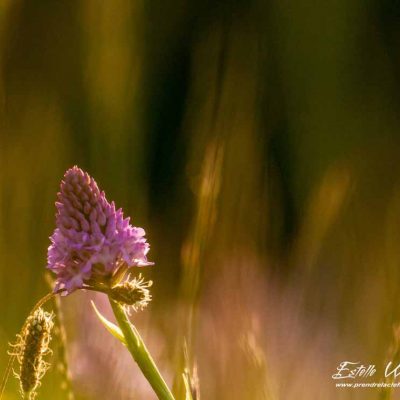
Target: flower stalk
95	247
140	354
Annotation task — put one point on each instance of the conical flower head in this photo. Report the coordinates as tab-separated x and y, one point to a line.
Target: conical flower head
92	240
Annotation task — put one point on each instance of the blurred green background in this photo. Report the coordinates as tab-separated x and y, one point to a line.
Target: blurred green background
258	144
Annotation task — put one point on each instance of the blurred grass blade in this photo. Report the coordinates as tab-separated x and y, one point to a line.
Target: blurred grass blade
6	375
112	328
188	391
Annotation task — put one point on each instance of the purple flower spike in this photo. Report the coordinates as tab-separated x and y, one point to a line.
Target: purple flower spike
92	241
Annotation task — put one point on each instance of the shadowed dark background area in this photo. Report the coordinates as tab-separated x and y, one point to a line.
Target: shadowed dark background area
258	145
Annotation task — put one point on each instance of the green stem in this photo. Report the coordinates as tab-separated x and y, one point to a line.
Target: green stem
140	353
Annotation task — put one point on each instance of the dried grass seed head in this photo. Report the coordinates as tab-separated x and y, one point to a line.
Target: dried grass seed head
31	347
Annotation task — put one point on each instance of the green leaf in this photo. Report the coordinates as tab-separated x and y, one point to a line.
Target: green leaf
112	328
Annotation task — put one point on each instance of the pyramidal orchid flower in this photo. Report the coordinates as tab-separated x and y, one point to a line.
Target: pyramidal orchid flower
93	243
93	247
